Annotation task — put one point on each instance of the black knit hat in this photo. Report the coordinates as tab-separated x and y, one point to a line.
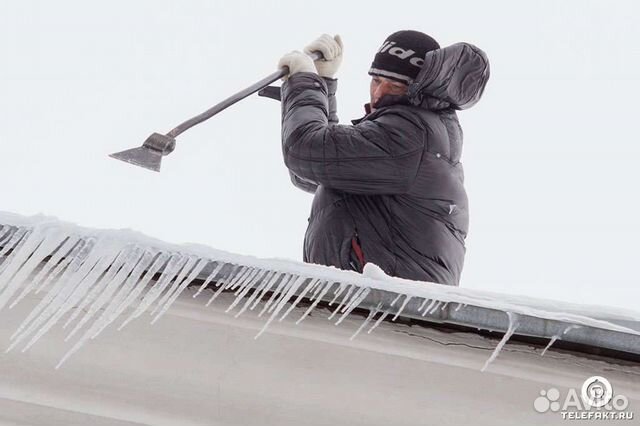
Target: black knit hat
401	55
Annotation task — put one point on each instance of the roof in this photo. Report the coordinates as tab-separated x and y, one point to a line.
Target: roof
71	289
201	366
109	269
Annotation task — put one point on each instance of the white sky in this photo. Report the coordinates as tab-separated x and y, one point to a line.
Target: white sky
550	151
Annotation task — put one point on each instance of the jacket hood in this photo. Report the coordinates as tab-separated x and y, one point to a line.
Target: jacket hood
451	77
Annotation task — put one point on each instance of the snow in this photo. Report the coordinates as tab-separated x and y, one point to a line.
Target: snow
94	277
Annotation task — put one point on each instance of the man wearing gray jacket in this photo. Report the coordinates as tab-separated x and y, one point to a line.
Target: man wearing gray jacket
389	188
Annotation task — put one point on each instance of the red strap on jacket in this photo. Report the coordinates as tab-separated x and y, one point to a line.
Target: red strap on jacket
357	250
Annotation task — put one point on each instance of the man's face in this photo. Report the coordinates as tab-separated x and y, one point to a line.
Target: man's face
381	86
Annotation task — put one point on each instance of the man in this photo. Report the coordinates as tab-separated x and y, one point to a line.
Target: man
389	188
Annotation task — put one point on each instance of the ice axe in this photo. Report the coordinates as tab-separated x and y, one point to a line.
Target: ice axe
150	154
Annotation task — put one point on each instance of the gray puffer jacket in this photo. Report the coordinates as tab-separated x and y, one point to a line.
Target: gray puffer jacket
388	189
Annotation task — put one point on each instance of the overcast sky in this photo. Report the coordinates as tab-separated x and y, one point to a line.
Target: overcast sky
551	152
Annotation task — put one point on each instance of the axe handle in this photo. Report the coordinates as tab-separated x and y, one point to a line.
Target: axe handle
234	98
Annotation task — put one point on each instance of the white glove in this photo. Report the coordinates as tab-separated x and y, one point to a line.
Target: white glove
297	62
331	48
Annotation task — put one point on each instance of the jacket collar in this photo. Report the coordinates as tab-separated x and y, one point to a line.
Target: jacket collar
385	101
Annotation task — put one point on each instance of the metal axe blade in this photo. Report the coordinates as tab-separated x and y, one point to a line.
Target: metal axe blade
150	154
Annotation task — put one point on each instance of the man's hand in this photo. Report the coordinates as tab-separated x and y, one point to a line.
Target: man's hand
297	62
331	49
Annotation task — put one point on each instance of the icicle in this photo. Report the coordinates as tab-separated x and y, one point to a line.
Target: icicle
71	292
238	277
117	305
379	321
324	291
460	305
277	277
187	271
247	282
372	314
110	283
22	263
74	274
353	297
551	342
239	283
404	304
571	327
160	262
266	283
210	278
428	308
286	295
558	336
354	303
284	283
174	295
9	246
317	290
90	284
71	261
435	308
396	299
113	271
41	246
246	287
5	234
129	273
63	250
338	292
14	241
70	268
243	286
284	291
344	299
106	289
14	246
312	283
231	275
423	304
222	284
175	266
172	268
221	279
514	321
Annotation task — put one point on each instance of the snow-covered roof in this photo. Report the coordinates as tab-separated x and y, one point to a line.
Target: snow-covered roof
62	288
92	278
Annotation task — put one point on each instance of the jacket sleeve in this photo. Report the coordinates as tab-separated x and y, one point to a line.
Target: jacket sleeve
379	156
305	184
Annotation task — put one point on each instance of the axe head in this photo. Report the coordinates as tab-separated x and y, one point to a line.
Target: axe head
150	154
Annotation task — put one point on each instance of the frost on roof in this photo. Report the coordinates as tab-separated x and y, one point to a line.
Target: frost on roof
91	278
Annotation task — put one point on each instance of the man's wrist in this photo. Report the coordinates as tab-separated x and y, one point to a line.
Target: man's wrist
307	79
